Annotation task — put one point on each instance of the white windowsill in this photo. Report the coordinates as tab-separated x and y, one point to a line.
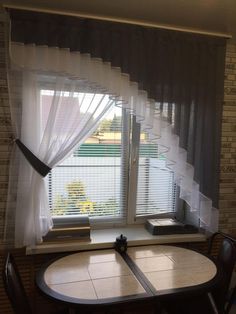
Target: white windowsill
103	239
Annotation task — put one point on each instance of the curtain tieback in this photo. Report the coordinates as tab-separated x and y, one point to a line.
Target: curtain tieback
36	163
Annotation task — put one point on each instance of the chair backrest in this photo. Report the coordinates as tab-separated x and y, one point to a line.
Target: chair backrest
14	287
226	258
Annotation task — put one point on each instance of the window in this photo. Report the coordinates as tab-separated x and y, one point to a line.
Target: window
116	175
156	189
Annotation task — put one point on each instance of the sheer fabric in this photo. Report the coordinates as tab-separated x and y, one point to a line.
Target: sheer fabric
63	75
69	116
171	81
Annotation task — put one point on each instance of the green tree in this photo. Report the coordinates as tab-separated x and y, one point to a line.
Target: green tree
105	125
75	196
108	207
76	191
75	201
59	206
116	124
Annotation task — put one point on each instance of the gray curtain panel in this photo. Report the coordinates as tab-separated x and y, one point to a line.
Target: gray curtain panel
177	69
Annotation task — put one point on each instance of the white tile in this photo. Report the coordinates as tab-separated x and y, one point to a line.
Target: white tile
117	287
169	279
156	263
152	250
141	252
203	275
70	260
187	258
182	277
99	256
81	290
103	257
108	269
63	274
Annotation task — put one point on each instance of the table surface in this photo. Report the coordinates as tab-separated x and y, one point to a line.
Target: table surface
104	276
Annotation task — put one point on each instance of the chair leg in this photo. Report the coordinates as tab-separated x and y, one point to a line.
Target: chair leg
212	303
231	300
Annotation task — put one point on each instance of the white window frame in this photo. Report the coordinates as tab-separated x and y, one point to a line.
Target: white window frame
129	164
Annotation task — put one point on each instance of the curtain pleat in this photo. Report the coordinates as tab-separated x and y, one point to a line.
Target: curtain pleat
172	67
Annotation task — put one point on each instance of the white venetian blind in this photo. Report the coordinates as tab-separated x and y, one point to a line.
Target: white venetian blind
92	181
156	188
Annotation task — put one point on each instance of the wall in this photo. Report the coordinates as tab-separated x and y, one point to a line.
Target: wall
228	147
29	264
5	128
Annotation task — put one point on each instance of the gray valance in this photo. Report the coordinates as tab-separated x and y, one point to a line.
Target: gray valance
176	69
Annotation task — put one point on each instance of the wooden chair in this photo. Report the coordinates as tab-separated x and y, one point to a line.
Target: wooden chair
15	289
217	300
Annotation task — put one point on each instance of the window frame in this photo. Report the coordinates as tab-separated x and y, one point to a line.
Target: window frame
129	163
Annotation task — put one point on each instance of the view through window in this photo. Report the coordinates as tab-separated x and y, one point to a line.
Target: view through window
95	179
89	181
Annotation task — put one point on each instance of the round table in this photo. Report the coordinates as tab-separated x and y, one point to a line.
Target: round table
143	273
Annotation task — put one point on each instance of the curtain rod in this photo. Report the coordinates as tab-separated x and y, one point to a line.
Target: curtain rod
118	20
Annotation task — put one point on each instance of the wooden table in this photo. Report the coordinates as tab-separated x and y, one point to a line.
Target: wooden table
145	273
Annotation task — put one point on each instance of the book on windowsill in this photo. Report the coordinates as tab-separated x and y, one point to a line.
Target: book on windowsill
68	229
164	226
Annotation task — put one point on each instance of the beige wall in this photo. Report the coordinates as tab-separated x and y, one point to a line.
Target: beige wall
5	128
228	147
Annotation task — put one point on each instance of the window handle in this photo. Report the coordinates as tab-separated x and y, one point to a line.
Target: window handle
135	156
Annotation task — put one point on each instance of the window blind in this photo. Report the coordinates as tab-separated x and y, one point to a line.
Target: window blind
92	181
156	188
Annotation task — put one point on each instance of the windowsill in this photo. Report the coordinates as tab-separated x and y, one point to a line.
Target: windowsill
103	239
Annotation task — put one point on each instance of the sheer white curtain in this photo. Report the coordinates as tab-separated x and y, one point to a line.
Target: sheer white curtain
57	115
65	73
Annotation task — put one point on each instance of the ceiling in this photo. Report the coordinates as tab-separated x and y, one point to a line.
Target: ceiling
217	16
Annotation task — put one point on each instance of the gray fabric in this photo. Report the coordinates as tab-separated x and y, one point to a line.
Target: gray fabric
181	69
37	164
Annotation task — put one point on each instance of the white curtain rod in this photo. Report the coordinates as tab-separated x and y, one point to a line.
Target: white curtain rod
118	20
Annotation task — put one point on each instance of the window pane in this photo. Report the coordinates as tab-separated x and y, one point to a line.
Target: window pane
156	188
89	181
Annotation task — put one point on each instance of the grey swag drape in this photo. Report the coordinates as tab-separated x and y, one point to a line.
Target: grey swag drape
175	69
